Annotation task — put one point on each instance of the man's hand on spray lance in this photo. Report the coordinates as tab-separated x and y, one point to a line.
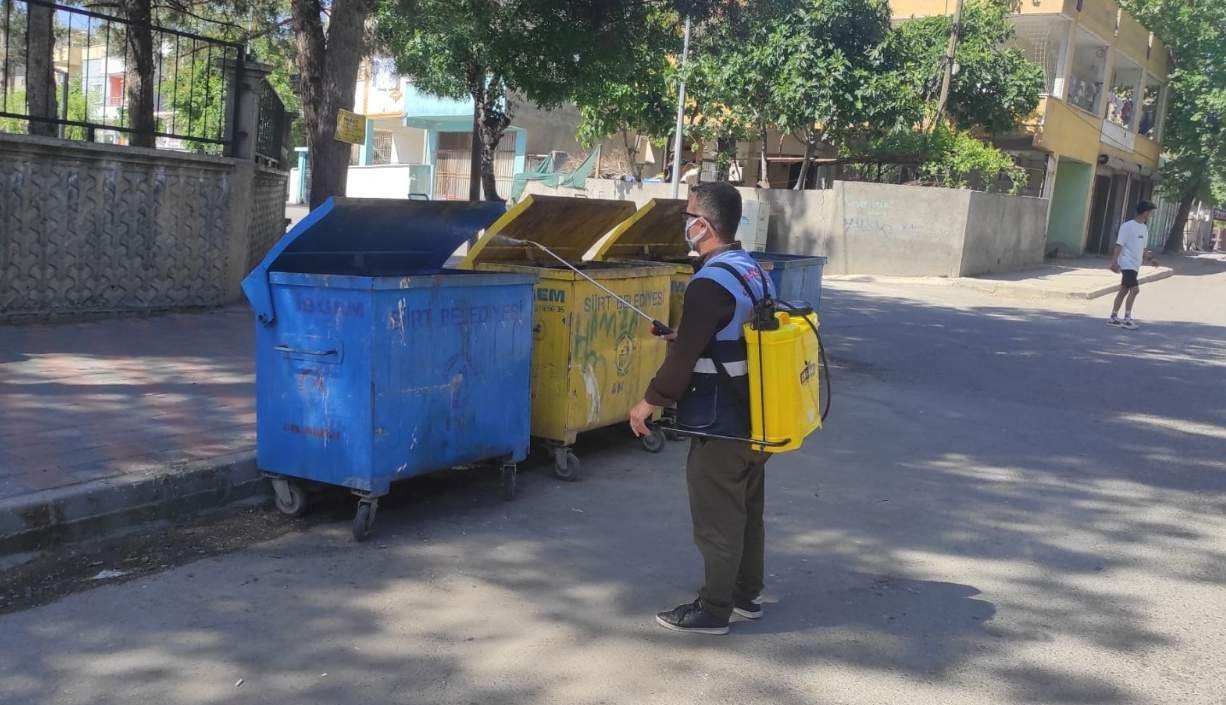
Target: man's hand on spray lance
640	415
643	411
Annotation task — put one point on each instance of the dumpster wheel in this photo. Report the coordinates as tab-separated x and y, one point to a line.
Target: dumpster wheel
510	481
364	519
289	496
565	464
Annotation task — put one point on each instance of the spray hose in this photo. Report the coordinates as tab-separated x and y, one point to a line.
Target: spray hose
658	328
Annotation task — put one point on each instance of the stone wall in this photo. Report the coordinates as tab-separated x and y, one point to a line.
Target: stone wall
99	229
867	228
267	214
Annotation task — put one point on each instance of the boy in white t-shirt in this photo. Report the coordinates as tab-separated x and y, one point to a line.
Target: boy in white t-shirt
1126	259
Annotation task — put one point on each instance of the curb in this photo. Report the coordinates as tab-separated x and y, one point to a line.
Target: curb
1022	288
44	520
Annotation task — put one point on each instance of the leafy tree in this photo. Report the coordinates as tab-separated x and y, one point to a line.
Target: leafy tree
76	111
737	64
327	61
197	100
833	84
994	88
1194	136
638	103
499	51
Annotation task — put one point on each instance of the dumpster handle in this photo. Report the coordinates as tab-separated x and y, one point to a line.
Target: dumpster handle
315	353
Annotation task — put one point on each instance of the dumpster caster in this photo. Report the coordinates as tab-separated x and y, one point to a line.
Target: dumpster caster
364	519
653	442
509	482
565	464
291	496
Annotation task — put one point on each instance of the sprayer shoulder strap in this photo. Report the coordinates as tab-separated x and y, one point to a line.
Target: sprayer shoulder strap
745	284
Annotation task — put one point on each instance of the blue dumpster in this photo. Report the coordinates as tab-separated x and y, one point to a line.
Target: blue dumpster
797	278
375	364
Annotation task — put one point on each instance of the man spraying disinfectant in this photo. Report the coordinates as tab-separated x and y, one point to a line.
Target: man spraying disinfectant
743	371
705	374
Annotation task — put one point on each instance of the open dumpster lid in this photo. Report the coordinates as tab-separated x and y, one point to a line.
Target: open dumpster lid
652	233
370	237
568	226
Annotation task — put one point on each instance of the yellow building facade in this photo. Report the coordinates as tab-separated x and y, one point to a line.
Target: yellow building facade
1093	145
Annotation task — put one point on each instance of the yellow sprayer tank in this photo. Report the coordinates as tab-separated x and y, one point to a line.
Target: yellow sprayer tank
784	387
592	357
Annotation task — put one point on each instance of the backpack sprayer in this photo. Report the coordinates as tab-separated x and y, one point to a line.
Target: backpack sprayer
786	365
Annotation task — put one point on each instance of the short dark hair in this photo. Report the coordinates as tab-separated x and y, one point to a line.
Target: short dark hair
721	204
1145	207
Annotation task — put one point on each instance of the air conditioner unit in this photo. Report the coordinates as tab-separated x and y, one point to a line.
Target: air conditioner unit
754	226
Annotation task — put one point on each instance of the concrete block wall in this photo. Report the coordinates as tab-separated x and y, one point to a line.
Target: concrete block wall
98	229
883	229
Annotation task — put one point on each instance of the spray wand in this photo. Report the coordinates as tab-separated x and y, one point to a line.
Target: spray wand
657	328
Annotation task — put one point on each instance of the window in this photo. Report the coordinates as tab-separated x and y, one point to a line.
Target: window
1151	108
1044	41
383	147
1122	101
114	95
1086	78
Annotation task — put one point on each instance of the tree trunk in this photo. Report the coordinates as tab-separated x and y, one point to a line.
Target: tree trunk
327	80
474	150
632	155
764	178
40	72
492	123
1174	238
804	166
138	73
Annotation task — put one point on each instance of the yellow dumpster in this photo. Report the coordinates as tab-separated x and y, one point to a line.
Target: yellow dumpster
592	356
653	234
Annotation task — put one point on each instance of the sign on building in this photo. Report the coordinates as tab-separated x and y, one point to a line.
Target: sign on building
350	127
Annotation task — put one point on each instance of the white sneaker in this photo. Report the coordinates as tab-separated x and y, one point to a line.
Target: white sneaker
1113	321
1129	324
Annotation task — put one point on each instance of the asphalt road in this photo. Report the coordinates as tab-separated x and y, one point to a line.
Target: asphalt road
1012	503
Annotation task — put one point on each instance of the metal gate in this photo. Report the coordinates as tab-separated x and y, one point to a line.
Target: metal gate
454	165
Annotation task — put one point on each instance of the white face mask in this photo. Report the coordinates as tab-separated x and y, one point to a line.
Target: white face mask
692	243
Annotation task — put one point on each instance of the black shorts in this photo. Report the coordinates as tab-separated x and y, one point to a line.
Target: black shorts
1128	278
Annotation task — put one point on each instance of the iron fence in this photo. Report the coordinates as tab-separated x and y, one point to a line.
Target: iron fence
270	128
98	62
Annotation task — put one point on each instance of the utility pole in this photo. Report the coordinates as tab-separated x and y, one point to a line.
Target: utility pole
947	75
685	52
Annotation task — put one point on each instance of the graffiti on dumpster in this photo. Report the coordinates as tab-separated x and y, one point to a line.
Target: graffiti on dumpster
609	330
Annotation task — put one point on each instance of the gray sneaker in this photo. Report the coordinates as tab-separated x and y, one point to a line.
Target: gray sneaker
1129	324
1113	321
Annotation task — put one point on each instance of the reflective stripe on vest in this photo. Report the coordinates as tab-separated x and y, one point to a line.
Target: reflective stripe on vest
728	348
706	366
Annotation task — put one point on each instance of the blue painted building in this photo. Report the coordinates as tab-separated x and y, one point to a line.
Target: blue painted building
419	144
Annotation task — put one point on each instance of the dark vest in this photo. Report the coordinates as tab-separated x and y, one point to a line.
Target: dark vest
717	400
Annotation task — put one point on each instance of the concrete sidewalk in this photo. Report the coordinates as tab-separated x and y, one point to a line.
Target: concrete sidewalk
1080	278
110	423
